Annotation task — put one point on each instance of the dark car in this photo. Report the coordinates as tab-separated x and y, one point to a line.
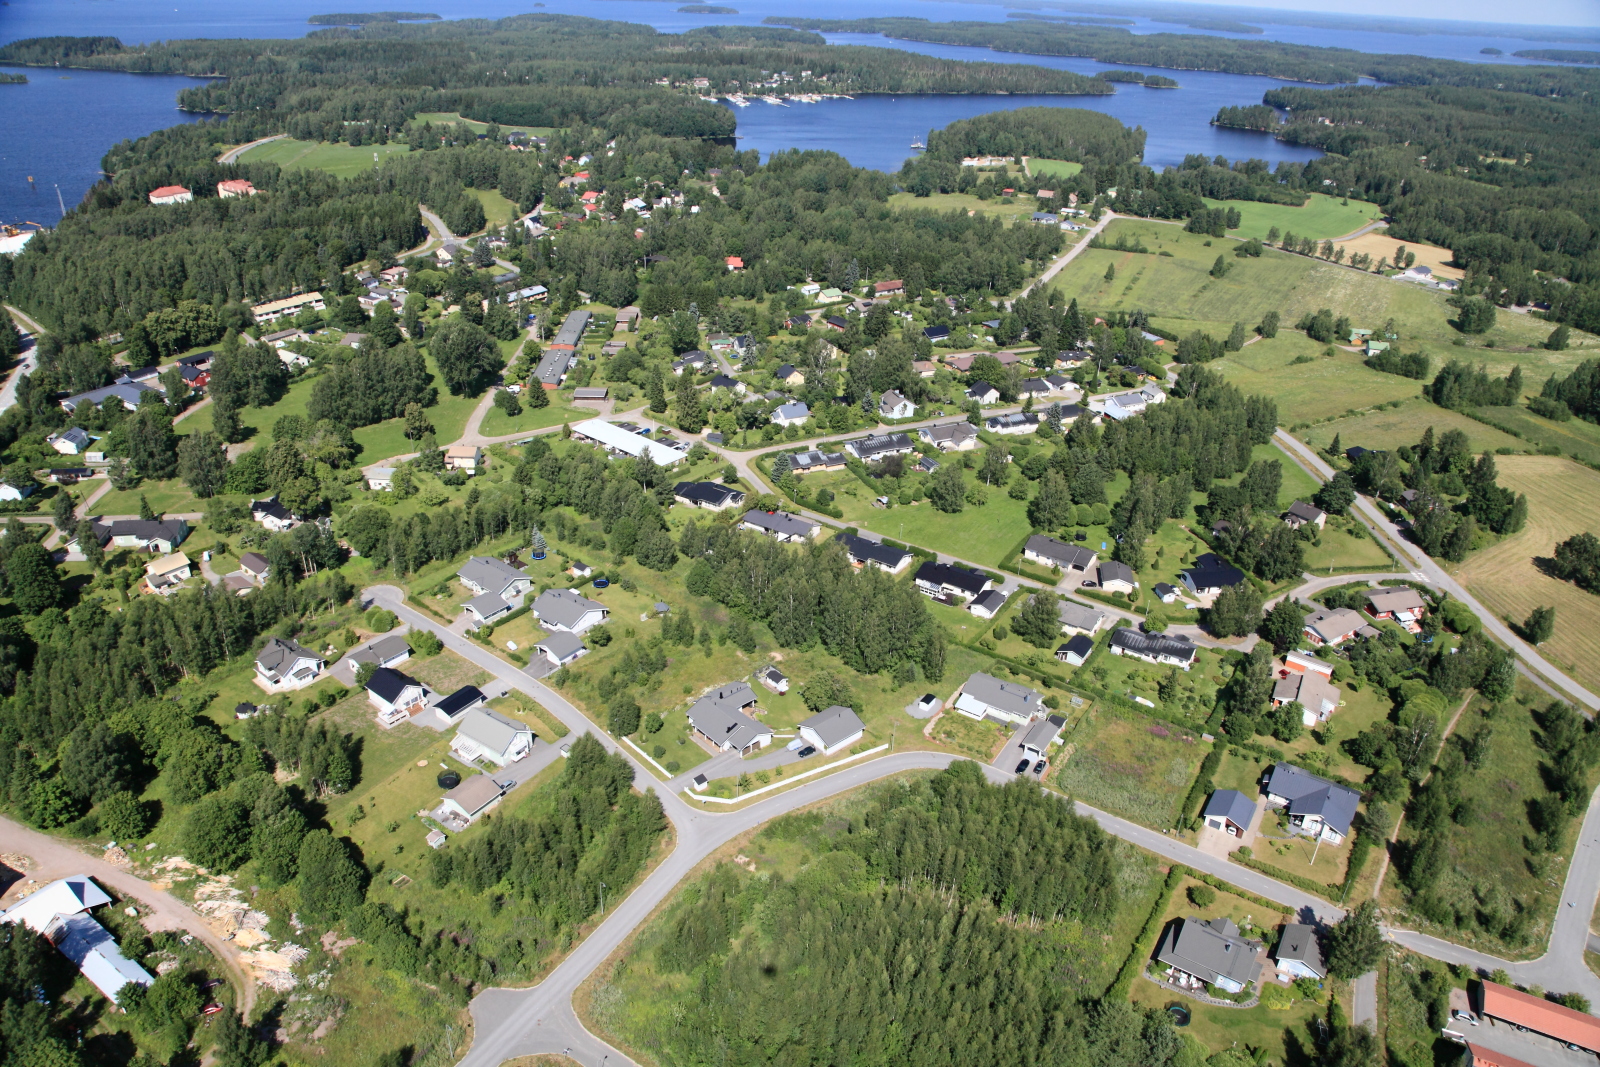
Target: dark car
1022	768
809	750
1038	768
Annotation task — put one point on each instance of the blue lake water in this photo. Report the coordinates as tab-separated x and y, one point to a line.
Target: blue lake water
62	122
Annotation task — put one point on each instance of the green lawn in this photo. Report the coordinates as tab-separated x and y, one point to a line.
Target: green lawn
1178	289
167	496
496	424
1403	425
259	419
449	417
1055	168
984	535
1128	764
1306	392
1009	209
1345	546
1574	437
338	159
1323	217
437	117
497	210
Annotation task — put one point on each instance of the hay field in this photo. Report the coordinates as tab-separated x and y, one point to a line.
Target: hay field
1380	245
1327	386
340	160
1322	217
1403	425
1563	499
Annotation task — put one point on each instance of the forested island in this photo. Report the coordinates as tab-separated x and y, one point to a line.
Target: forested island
1559	55
370	17
13	79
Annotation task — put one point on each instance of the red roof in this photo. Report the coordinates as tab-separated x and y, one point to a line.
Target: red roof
590	196
735	261
884	287
234	185
1483	1057
1553	1020
168	190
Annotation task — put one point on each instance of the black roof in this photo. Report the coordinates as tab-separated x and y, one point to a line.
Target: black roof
1153	644
196	359
704	492
1211	571
388	683
936	333
459	701
1079	646
838	321
969	582
864	551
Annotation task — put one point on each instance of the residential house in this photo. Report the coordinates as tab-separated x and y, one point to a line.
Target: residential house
484	733
1210	953
813	460
890	288
694	361
68	475
788	375
1116	577
773	679
832	729
561	648
925	465
983	393
892	405
129	392
1061	385
72	441
397	696
1075	651
830	296
1400	604
1080	618
1046	550
734	263
272	515
1210	574
394	275
464	699
1230	811
1017	422
924	368
1299	661
1041	735
1045	218
553	367
273	310
1301	513
463	458
936	334
1126	405
951	436
983	695
708	495
381	479
1316	806
11	490
864	553
59	911
1172	651
565	609
946	581
1037	388
487	574
1312	690
792	414
987	605
1332	626
780	525
486	608
142	535
880	446
170	194
234	187
719	716
165	574
470	799
282	665
1299	955
388	651
733	385
195	378
838	322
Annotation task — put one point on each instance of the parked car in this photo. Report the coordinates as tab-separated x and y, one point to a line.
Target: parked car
1022	768
1038	768
809	750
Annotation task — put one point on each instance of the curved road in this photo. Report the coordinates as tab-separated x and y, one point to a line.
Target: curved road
232	155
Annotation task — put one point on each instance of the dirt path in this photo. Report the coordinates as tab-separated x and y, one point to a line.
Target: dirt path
1383	864
232	155
52	859
1072	253
1376	224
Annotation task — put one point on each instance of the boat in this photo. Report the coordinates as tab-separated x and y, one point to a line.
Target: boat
918	144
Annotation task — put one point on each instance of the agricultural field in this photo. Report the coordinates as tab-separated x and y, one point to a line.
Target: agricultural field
1380	245
1128	764
1574	437
1323	217
1307	392
1008	209
1402	424
1055	168
340	160
1563	500
1488	865
439	117
1179	289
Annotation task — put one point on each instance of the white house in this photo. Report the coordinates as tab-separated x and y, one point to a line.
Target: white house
470	799
282	665
773	679
166	574
381	479
791	414
893	405
272	515
72	441
486	574
397	696
564	609
1299	955
779	525
1316	806
1230	811
1153	648
985	695
486	734
832	729
561	648
719	717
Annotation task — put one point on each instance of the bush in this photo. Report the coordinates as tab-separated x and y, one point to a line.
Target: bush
425	642
1202	896
381	620
124	817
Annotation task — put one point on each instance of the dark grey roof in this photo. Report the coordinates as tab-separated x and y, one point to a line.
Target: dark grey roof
487	605
718	715
1113	570
1061	553
936	333
991	600
1042	733
571	331
173	530
949	432
462	699
1211	571
722	381
1080	645
1152	644
387	683
1308	512
866	448
990	691
490	574
833	725
1080	616
1209	950
1309	795
491	729
1232	805
560	644
553	366
279	654
941	574
860	550
563	607
381	650
1299	942
709	494
780	523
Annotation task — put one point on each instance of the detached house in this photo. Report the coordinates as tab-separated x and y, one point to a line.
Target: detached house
1018	422
893	405
983	695
864	553
397	696
1210	574
1316	806
720	718
708	495
1046	550
1209	953
1116	577
486	734
1299	955
779	525
951	436
487	574
282	665
1400	604
1080	618
831	729
272	515
880	446
564	609
72	441
814	460
1333	625
1230	811
142	535
946	581
1312	690
1161	649
1302	514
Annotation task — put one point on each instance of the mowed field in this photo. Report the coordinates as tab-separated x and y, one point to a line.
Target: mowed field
440	117
1380	245
1322	217
1007	208
1055	168
1563	500
1327	386
340	160
1403	425
1178	289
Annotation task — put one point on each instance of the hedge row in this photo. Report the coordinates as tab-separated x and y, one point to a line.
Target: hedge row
1145	943
1203	782
1359	848
1321	889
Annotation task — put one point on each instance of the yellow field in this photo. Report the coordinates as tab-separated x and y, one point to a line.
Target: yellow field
1563	499
1380	245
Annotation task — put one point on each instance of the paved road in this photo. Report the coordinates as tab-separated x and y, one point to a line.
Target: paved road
54	859
1376	224
29	362
1425	568
1364	1001
1072	253
232	155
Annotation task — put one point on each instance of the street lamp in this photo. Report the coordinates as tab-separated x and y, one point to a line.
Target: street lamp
602	899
